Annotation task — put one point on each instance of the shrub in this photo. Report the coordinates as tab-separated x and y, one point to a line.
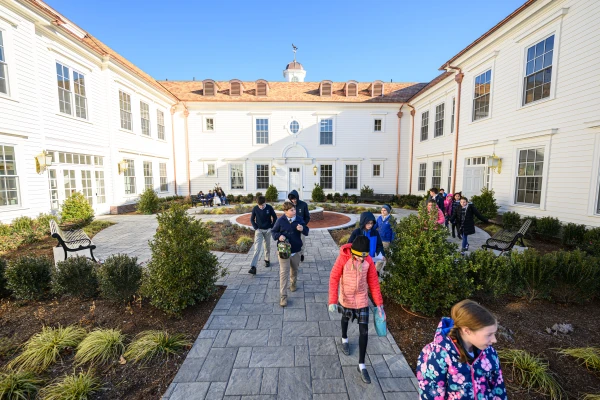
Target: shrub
100	346
354	199
271	193
28	277
589	356
19	385
486	203
239	198
72	387
228	229
329	196
577	276
43	349
230	198
409	200
535	273
77	210
344	239
592	241
149	202
337	197
5	229
511	221
76	276
3	289
318	194
573	235
244	243
182	270
249	198
548	227
425	271
494	275
531	372
22	225
366	191
119	277
150	344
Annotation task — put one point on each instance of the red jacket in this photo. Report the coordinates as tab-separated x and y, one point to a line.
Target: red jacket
356	282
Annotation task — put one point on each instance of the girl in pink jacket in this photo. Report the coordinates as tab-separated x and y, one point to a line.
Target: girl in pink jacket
440	219
354	267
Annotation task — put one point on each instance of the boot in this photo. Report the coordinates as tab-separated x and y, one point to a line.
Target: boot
267	263
252	270
293	286
283	301
302	258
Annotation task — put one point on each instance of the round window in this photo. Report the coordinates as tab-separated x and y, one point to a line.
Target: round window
294	127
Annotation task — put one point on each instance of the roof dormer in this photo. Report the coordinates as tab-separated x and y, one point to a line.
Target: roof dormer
236	87
351	89
209	87
262	88
325	88
377	89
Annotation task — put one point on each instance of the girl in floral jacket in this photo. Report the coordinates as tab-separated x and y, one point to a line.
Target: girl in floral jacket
461	363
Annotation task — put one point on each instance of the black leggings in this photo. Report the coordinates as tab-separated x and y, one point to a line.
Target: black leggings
363	338
457	227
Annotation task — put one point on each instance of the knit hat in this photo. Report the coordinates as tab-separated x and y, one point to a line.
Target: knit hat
388	208
361	246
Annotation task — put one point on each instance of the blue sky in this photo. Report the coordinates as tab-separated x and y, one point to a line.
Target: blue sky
403	41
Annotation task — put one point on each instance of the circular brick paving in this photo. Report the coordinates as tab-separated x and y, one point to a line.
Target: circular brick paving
329	219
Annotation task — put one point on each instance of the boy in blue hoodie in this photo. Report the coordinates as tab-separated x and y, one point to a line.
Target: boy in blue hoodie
367	228
289	227
385	226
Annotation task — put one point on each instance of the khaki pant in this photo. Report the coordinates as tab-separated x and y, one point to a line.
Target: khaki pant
261	236
303	239
380	264
285	267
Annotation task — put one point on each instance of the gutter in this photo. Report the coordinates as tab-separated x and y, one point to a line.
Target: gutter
458	78
398	154
173	109
412	142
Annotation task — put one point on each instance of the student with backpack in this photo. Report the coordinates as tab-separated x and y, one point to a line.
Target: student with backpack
367	228
385	226
455	215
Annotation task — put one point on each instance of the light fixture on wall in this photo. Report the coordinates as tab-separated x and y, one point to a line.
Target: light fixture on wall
315	169
123	166
495	163
42	161
273	169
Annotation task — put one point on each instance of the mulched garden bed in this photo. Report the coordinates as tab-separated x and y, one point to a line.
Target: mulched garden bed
528	321
329	219
19	321
339	233
226	234
541	244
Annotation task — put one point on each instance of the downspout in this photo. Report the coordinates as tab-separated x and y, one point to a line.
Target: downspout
398	155
173	140
186	114
458	78
412	141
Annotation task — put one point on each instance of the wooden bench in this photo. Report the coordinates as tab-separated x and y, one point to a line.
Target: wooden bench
73	240
504	240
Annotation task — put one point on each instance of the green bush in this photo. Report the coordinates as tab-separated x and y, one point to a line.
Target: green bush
318	194
148	203
337	197
119	277
5	230
271	193
77	210
573	235
577	276
486	203
535	273
425	271
344	239
548	227
230	198
409	200
249	198
354	199
258	194
76	276
511	220
329	197
366	191
592	241
182	270
22	225
492	274
239	198
28	277
244	243
3	289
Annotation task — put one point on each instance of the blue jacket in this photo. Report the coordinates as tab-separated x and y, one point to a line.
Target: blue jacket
372	234
263	219
441	375
301	207
386	228
283	227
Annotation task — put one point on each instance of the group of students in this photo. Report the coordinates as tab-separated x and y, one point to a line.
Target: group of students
455	210
218	196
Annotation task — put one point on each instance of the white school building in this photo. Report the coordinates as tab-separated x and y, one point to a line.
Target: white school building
517	111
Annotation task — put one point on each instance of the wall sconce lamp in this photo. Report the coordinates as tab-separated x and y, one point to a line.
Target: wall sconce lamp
495	163
42	161
315	169
273	169
123	166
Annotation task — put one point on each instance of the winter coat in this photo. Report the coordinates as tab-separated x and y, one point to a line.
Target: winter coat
440	218
376	245
263	219
467	222
439	200
442	376
386	228
448	204
284	227
355	282
455	216
301	207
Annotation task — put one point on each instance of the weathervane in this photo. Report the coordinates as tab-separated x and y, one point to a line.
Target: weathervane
294	49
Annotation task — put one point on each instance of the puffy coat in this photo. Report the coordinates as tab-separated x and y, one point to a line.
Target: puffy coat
374	238
448	203
440	218
442	376
385	228
355	282
467	222
301	207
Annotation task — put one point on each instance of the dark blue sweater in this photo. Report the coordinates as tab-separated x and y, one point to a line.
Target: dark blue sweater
283	227
263	219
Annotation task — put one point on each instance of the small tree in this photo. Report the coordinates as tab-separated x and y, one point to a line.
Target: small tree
271	194
486	203
149	202
77	210
75	276
28	277
119	277
366	191
182	271
317	193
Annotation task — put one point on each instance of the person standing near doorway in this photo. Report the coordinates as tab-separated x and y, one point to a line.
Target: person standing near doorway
302	212
262	219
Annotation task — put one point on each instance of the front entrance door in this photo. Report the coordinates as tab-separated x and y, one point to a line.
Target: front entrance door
295	181
473	181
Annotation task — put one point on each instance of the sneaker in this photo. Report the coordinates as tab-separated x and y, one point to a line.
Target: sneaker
252	270
267	263
293	286
302	258
364	374
346	348
283	302
453	235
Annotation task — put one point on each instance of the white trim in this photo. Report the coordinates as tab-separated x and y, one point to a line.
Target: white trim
137	153
488	67
205	165
592	124
326	113
381	164
244	172
13	134
438	154
352	159
269	130
377	159
9	52
12	21
333	171
72	58
559	14
594	195
480	144
269	173
378	116
476	64
333	125
546	144
288	128
259	113
204	127
358	172
379	113
533	135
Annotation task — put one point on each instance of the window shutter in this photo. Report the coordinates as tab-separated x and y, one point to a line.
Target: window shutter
351	89
261	89
209	89
326	89
378	89
235	89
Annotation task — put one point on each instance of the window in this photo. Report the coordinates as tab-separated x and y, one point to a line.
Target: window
422	176
424	125
145	117
481	97
377	125
439	121
64	88
325	88
100	189
376	170
261	89
209	89
210	124
70	183
262	131
236	89
326	131
351	177
452	116
86	186
160	123
262	176
294	127
3	68
449	175
210	170
538	71
53	187
294	79
436	176
529	176
148	179
237	176
162	172
129	175
80	98
125	107
326	179
351	90
9	180
377	89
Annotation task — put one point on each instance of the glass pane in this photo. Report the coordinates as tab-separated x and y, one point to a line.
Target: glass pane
520	196
530	82
550	43
531	53
546	90
539	154
537	93
531	155
539	166
528	197
529	96
539	49
547	75
538	62
548	59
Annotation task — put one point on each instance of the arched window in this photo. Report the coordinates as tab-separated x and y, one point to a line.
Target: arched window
351	89
235	88
209	87
262	88
377	89
326	88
